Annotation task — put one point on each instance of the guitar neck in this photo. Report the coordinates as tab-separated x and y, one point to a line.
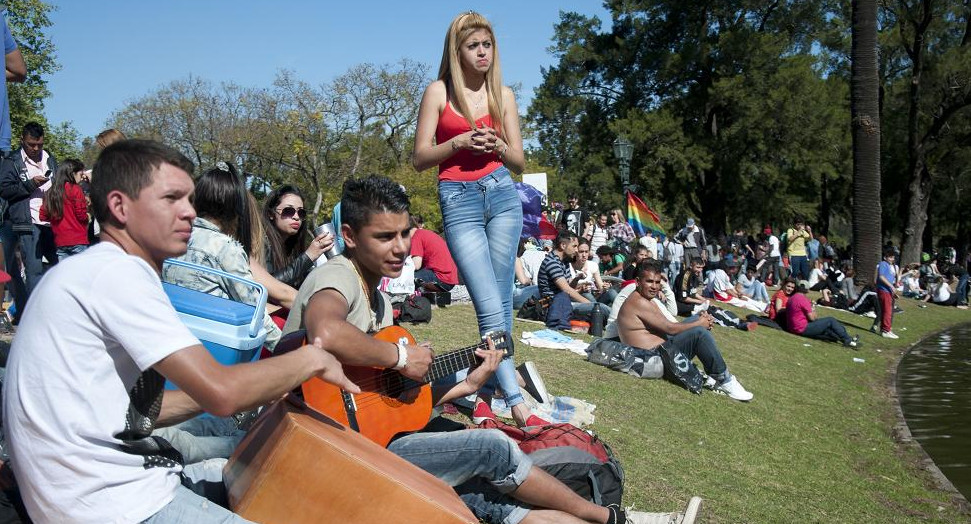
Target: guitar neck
452	362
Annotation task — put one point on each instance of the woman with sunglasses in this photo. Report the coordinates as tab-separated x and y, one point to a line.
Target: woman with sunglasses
468	126
289	254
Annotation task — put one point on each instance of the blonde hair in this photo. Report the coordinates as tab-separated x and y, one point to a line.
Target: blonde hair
258	233
108	137
450	70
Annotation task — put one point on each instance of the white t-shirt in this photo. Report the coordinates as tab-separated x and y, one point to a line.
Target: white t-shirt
815	276
96	322
719	281
598	237
532	259
590	268
774	243
651	244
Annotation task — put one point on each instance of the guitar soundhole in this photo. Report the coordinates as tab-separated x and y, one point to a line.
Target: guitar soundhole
399	390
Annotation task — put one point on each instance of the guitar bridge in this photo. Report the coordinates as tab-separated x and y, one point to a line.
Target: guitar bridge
350	407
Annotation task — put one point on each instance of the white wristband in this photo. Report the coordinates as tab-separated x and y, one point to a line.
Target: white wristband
402	357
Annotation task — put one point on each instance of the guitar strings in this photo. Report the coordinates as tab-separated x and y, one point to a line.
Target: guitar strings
461	359
442	365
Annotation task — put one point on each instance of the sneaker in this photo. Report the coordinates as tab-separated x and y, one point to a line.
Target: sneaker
875	329
533	420
710	383
533	383
870	314
482	412
854	343
689	515
733	388
889	334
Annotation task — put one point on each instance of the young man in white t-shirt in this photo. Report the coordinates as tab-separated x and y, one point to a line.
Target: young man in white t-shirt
84	383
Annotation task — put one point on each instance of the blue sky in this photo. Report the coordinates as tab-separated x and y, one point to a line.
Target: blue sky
114	51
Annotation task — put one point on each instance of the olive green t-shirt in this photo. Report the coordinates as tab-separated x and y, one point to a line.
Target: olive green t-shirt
340	275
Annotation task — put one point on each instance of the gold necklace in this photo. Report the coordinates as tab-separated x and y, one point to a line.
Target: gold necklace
367	295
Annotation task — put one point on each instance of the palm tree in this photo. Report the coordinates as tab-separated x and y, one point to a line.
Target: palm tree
865	110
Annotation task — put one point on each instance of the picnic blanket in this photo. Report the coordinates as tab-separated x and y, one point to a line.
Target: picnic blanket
548	338
560	409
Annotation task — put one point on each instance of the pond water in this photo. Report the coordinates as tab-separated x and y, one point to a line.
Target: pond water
934	387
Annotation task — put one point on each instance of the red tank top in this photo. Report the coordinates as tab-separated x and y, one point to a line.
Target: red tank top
463	166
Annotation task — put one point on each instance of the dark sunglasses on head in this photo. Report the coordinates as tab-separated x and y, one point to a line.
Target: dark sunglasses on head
289	211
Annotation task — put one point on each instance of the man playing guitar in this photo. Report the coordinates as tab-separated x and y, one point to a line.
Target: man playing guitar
339	303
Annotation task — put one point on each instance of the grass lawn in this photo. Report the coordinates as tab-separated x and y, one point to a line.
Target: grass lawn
815	445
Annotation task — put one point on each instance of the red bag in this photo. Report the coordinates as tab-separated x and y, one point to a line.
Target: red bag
576	457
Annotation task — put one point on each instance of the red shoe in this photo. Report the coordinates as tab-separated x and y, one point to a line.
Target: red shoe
533	420
482	412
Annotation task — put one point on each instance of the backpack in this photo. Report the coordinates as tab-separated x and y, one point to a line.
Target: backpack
534	309
678	368
414	309
614	354
575	457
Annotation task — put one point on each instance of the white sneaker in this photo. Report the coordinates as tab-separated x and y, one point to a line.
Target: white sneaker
688	517
870	314
889	334
533	383
733	388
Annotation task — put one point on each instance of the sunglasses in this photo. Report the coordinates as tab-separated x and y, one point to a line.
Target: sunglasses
289	211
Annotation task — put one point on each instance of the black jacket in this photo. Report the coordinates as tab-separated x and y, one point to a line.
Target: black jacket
15	189
294	273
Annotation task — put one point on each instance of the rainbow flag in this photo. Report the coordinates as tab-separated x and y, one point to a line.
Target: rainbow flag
642	218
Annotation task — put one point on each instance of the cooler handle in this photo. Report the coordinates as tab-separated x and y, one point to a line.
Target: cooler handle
257	322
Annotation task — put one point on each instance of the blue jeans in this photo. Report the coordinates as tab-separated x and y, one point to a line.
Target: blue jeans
521	294
828	329
799	265
962	290
66	251
483	465
674	267
188	507
698	342
202	438
483	223
758	291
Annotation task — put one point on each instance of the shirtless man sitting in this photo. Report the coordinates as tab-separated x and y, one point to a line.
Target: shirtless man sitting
644	322
340	303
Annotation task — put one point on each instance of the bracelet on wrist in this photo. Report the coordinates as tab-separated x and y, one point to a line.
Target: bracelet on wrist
402	357
453	145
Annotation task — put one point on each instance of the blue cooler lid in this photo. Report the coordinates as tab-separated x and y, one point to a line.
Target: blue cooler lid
204	305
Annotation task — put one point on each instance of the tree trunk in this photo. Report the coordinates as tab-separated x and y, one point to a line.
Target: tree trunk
825	208
919	197
865	109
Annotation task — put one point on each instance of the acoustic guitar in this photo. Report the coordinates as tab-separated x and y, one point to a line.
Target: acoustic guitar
390	403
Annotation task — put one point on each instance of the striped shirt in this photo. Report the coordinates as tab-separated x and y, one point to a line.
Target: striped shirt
552	269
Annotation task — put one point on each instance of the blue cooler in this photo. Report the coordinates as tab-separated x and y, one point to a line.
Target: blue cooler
232	331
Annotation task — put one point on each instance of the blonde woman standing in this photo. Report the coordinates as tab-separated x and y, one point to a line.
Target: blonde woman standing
468	126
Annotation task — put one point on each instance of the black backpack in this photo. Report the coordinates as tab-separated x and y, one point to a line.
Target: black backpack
414	310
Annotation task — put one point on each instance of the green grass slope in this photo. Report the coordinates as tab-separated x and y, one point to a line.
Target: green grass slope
815	445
